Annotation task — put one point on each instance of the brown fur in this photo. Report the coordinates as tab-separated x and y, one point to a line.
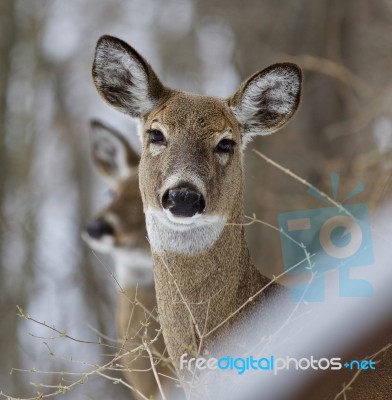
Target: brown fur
222	278
196	292
195	122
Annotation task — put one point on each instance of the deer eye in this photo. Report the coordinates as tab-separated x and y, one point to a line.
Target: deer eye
156	136
225	146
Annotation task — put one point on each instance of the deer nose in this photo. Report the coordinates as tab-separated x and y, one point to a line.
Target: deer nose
183	202
97	228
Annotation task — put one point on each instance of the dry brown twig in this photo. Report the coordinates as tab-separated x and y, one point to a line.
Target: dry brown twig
303	181
146	346
95	369
62	389
121	290
100	370
348	386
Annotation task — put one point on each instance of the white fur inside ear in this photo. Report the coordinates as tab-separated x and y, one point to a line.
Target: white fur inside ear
108	149
268	101
122	79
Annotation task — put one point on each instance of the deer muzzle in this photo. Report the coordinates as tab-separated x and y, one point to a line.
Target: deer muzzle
98	228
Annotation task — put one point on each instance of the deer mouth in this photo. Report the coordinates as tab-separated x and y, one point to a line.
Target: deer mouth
177	223
175	220
183	235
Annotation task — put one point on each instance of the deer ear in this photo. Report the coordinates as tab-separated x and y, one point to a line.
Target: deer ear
124	79
267	100
112	155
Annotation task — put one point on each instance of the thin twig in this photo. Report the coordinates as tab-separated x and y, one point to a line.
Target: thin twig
63	334
121	290
154	370
251	298
348	386
117	380
301	180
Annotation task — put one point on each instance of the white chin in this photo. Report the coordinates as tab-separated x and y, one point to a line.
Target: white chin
185	235
103	245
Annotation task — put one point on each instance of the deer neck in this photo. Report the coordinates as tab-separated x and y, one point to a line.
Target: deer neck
197	292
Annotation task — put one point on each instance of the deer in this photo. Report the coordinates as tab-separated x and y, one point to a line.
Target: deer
191	177
119	230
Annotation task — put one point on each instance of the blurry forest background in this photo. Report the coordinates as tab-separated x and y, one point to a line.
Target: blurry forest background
48	186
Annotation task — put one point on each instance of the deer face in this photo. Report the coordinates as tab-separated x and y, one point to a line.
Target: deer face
191	164
120	224
119	228
191	168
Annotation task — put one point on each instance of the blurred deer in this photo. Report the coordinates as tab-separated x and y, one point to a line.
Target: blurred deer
192	182
119	230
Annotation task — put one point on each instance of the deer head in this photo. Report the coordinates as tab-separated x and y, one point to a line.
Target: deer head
191	168
119	228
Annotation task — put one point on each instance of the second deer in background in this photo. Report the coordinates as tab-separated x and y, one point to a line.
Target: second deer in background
119	230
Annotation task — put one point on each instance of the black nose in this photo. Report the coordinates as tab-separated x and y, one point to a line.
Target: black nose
97	228
183	202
